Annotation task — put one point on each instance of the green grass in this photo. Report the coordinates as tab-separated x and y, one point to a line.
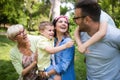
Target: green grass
80	66
7	71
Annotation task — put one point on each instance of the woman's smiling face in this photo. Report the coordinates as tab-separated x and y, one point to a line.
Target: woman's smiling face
62	25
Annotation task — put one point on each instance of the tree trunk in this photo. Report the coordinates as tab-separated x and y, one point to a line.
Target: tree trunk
55	8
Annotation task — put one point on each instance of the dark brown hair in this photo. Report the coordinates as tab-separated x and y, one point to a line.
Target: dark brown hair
55	21
89	8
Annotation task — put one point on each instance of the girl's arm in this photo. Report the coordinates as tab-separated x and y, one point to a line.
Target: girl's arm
96	37
53	50
81	48
77	36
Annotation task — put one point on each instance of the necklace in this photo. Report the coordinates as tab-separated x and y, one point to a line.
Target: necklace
25	51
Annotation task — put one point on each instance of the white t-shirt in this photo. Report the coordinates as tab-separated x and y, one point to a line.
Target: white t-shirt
105	17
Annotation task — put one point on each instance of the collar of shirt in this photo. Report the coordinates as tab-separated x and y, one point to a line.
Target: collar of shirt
46	38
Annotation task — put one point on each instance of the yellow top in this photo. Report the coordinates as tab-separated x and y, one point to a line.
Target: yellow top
44	56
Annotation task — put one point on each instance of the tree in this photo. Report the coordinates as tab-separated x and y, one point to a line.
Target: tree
9	11
112	7
55	8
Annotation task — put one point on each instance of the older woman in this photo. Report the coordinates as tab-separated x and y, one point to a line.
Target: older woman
22	54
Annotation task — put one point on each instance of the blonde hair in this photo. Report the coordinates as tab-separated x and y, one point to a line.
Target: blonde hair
13	30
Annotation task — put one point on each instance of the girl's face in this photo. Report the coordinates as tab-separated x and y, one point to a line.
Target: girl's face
61	25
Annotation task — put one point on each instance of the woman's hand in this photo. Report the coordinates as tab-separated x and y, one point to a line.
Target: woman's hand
43	74
36	56
69	44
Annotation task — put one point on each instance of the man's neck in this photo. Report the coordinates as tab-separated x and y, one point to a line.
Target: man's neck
93	28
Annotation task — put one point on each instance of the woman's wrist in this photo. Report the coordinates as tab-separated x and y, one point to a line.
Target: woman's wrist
46	73
34	62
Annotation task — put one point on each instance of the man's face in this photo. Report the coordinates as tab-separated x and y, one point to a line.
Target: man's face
80	19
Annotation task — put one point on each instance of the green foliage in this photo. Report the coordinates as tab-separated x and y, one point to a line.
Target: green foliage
35	12
72	26
29	12
9	10
112	7
7	71
63	10
26	12
80	68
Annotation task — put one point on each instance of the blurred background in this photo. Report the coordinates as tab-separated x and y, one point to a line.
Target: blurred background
30	13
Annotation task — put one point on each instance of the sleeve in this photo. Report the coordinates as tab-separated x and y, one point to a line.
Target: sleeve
119	42
104	17
16	62
42	44
113	36
116	37
67	59
33	41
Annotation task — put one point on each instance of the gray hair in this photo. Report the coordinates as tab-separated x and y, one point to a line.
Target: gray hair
13	30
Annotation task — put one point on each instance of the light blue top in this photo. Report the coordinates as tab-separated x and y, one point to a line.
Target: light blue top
103	60
105	17
65	61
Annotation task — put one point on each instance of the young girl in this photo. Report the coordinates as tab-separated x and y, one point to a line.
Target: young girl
105	20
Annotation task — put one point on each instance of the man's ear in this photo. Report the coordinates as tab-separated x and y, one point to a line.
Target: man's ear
87	19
